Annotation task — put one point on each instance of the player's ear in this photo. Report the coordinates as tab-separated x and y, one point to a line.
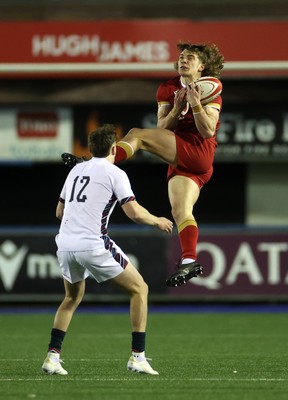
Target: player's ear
113	149
201	67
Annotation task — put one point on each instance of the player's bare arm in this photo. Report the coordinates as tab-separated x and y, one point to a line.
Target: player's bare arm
60	210
206	121
140	215
205	117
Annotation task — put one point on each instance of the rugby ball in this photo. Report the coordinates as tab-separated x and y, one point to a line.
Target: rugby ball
210	88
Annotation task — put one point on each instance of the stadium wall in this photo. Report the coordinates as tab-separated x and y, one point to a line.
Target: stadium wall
240	265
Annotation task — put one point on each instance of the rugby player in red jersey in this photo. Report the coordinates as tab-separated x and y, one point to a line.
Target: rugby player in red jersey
185	138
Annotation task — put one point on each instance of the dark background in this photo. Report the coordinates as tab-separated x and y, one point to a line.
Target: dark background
29	192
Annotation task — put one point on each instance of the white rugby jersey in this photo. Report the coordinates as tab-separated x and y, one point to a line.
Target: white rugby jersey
90	193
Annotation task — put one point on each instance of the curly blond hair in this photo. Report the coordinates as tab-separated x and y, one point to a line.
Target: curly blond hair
208	54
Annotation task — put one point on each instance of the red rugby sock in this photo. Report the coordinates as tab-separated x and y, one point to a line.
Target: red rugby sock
123	151
188	236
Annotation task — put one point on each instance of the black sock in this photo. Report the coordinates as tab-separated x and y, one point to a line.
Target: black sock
57	337
138	341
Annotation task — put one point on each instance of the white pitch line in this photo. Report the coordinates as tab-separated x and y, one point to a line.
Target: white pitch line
70	359
139	379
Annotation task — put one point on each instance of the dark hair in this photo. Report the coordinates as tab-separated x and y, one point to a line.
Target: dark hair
208	54
101	140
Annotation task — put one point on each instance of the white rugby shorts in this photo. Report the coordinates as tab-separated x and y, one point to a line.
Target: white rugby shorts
101	264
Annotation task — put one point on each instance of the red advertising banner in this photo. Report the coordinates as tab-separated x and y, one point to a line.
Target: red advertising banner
141	48
39	125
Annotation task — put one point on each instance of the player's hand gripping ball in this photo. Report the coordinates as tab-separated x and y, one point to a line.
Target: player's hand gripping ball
210	88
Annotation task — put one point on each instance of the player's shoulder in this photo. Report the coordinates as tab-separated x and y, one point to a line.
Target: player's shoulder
114	169
105	170
166	90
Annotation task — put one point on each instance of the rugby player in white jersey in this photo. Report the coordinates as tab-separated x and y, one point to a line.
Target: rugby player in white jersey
84	248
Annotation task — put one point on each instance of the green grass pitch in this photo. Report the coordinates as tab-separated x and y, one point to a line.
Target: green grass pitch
217	356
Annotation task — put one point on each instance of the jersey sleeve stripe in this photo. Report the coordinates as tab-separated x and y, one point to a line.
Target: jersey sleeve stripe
126	200
163	103
214	105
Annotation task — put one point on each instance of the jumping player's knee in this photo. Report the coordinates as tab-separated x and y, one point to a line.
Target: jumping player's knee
134	132
178	214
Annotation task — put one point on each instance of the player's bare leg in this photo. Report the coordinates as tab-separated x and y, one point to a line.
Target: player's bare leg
160	142
132	282
183	194
73	296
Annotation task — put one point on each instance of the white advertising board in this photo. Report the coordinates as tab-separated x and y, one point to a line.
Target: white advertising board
35	134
